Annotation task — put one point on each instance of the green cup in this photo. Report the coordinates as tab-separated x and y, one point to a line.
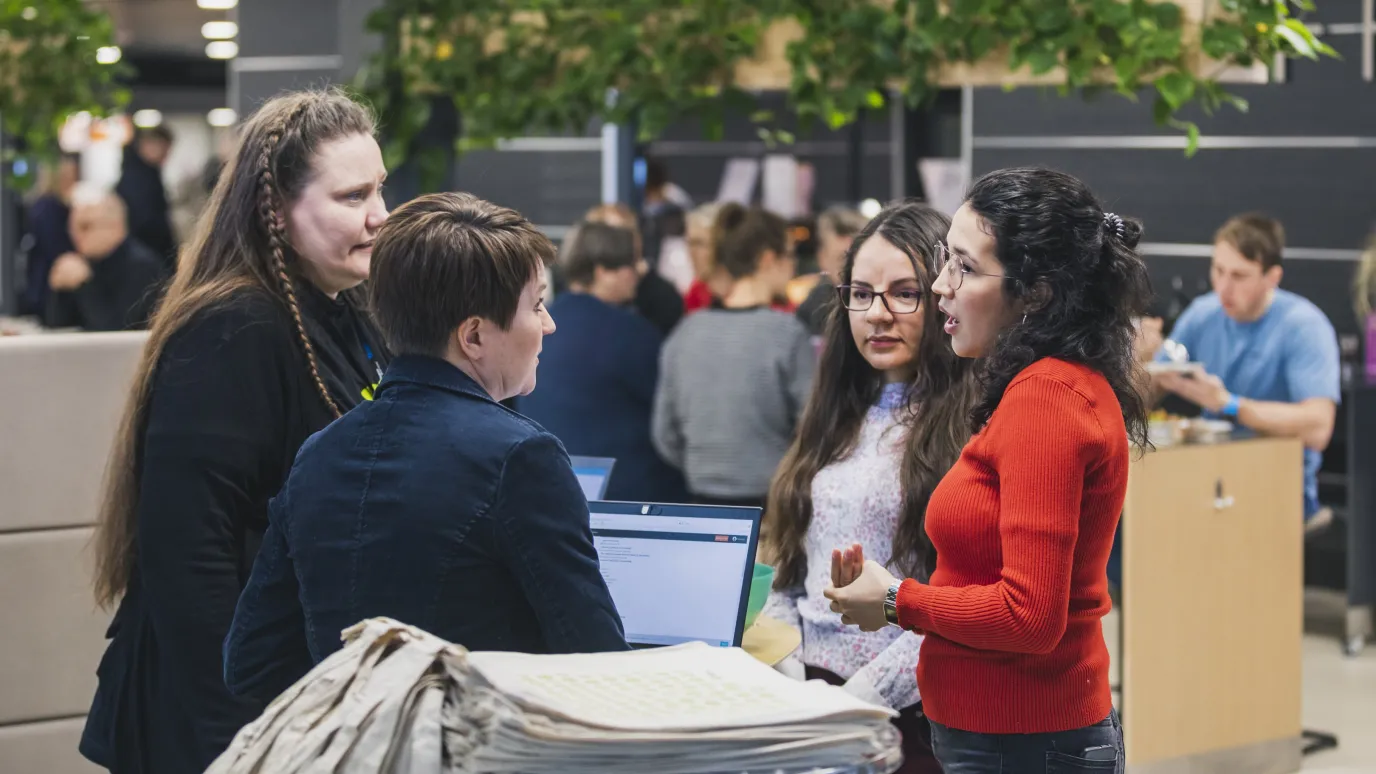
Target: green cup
760	583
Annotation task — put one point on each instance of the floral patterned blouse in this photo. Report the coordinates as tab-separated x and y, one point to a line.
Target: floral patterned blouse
856	500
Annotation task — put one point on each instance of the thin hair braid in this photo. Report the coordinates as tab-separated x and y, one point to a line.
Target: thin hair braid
277	240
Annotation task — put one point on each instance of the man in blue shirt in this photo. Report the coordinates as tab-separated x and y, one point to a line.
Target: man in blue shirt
1270	357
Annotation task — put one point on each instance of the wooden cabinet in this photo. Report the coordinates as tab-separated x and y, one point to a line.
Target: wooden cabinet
1212	544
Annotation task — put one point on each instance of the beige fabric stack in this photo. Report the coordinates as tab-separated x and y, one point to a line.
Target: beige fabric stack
397	700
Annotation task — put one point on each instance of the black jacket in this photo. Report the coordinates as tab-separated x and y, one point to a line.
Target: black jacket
658	301
140	186
120	294
231	403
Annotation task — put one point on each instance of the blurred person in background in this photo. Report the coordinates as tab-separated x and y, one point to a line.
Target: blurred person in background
660	191
1269	357
1364	285
112	281
662	207
733	380
47	223
259	343
141	187
656	298
886	420
712	282
836	227
600	372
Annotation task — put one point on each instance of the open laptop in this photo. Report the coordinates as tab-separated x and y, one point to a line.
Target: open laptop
593	474
677	573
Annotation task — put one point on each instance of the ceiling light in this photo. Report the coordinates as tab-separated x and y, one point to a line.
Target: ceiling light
222	117
219	30
222	49
147	118
870	207
108	54
217	5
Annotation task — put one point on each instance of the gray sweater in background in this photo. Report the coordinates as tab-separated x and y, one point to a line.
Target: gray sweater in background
732	385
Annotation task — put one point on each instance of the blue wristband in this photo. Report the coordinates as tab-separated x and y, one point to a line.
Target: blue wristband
1230	408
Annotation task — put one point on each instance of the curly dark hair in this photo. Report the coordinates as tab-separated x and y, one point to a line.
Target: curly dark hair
1078	270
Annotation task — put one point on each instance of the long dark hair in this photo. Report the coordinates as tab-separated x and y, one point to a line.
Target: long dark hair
846	386
238	244
1078	269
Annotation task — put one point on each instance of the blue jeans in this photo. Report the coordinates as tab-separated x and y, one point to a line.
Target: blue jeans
1096	748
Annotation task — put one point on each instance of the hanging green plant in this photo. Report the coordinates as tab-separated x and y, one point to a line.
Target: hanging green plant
550	65
514	68
57	57
842	56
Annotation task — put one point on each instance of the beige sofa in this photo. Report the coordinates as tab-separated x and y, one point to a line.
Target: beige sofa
62	398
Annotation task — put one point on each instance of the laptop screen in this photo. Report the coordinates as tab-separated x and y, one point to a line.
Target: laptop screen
593	473
677	573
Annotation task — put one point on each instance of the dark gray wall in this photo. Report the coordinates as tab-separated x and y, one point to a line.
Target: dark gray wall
697	164
288	45
1304	153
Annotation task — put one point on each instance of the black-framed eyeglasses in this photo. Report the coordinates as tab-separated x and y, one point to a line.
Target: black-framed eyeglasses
955	272
859	298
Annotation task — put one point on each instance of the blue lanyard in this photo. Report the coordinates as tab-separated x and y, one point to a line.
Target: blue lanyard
368	352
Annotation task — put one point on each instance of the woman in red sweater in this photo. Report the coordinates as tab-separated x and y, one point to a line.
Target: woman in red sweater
1041	284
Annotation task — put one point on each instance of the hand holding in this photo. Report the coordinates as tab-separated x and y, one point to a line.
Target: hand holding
1149	338
846	564
861	602
69	272
1200	388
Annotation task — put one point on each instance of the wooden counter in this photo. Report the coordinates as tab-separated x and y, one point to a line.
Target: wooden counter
1212	546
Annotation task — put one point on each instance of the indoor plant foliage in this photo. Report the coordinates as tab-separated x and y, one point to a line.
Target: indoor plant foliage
548	65
514	68
48	70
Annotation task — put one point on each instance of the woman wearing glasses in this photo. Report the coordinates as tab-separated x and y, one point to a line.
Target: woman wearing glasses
1041	285
886	420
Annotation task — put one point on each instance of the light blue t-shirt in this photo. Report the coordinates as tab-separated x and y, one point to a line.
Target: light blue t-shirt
1287	356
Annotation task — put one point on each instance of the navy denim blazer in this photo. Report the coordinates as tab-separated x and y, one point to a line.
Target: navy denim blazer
434	505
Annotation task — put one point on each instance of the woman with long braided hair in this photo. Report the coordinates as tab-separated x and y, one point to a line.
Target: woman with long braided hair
258	343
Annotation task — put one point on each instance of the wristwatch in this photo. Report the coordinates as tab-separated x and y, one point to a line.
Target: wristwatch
1230	408
891	603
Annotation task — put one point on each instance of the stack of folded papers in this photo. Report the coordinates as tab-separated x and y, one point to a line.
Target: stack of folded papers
401	701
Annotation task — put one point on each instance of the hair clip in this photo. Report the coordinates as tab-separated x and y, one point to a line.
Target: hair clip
1114	223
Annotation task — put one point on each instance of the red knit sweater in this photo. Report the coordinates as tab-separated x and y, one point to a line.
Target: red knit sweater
1023	524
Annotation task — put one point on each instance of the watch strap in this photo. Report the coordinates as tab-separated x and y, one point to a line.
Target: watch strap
1230	408
891	603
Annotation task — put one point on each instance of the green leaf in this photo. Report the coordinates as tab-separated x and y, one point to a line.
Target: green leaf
1176	88
1299	39
1192	139
1043	61
874	99
1161	110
